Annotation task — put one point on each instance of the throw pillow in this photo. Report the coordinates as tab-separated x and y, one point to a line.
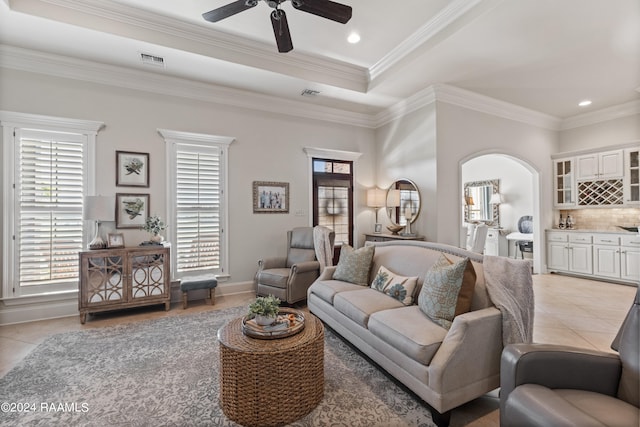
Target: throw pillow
439	295
382	279
465	297
354	264
394	285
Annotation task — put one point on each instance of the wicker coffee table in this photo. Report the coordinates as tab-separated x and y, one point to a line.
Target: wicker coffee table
271	382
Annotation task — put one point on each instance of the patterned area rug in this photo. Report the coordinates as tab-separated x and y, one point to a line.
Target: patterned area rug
164	372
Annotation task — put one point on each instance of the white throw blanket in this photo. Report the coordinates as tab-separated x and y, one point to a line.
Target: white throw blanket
510	287
323	246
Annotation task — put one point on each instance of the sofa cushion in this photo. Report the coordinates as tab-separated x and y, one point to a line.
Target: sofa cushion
327	289
409	331
396	286
439	294
354	264
465	296
358	305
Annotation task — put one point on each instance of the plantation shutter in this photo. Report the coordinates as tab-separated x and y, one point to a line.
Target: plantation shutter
50	188
198	197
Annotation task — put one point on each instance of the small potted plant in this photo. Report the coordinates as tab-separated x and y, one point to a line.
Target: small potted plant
154	225
264	310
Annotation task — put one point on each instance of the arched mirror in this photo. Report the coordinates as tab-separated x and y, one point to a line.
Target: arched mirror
403	202
478	205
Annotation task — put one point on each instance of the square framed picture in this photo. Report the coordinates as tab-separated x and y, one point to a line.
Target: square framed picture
132	169
131	210
115	240
270	197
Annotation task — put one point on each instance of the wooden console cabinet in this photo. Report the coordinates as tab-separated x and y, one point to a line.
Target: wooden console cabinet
112	279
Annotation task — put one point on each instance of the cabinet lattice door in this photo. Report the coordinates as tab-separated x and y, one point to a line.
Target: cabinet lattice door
112	279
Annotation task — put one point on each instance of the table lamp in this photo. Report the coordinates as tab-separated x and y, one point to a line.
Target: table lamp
99	209
376	199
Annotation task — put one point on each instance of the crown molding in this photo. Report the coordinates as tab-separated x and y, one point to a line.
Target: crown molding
485	104
611	113
434	26
400	109
89	71
124	20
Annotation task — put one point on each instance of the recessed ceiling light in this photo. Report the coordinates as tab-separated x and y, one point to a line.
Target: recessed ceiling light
584	103
353	38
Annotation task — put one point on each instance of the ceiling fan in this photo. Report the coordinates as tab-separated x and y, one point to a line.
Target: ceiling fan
324	8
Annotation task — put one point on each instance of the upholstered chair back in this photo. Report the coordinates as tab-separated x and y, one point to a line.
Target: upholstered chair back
301	247
628	344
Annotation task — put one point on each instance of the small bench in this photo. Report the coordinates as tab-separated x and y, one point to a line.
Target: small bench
198	282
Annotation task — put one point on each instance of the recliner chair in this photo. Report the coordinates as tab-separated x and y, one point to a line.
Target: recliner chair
288	278
553	385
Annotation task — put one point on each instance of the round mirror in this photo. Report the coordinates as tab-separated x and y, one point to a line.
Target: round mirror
403	202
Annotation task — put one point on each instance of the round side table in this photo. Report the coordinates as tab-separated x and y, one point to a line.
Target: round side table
271	382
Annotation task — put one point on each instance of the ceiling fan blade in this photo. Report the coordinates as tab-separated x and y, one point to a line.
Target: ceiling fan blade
327	9
226	11
281	30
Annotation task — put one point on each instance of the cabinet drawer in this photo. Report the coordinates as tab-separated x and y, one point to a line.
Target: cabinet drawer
606	239
557	237
633	241
580	238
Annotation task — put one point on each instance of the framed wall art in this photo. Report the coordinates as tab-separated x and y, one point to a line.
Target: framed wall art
270	197
131	210
132	169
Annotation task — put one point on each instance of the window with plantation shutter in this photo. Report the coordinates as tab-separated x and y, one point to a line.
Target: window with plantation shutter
198	195
51	185
48	168
197	199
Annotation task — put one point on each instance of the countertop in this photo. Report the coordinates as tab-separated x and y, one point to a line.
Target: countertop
586	230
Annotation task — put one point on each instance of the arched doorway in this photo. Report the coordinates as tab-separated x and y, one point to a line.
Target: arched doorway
520	190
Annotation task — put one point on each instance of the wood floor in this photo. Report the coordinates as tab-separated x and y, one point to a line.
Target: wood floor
570	311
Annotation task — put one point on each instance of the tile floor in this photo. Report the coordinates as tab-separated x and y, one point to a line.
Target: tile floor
569	311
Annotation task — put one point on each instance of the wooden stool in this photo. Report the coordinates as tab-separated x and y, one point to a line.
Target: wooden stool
198	282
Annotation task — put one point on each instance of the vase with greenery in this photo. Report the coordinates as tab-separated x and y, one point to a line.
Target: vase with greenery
264	310
154	225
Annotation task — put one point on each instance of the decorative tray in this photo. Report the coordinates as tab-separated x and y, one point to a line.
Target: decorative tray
288	322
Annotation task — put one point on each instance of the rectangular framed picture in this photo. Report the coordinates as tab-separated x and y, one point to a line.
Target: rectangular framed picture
270	197
131	210
132	169
115	240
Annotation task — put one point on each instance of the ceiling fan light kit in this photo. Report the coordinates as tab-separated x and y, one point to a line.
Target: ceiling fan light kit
324	8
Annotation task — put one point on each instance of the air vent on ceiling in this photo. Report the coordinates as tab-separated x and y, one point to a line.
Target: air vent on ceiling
152	59
310	92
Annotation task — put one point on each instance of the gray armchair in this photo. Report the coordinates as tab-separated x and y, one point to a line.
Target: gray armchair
552	385
288	278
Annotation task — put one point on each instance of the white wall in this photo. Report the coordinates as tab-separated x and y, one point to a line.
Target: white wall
268	147
601	135
516	185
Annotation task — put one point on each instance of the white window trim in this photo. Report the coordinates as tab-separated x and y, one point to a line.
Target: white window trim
11	123
173	137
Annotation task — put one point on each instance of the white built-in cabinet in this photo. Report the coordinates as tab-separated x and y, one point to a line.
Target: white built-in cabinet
604	165
564	183
632	176
599	255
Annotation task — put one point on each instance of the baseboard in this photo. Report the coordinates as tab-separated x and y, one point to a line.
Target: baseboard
67	306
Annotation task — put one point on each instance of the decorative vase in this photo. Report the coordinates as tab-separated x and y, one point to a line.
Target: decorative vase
156	238
264	320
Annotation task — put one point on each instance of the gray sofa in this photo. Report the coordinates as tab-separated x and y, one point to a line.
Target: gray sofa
444	368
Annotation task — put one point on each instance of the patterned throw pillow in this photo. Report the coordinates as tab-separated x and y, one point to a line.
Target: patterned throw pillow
353	265
439	294
394	285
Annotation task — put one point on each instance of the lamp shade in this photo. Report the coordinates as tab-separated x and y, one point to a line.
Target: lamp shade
99	208
393	198
376	198
496	199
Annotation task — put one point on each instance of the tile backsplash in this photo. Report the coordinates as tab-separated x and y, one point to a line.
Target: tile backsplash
602	218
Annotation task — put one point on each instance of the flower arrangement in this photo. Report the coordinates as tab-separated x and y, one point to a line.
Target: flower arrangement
264	306
154	225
